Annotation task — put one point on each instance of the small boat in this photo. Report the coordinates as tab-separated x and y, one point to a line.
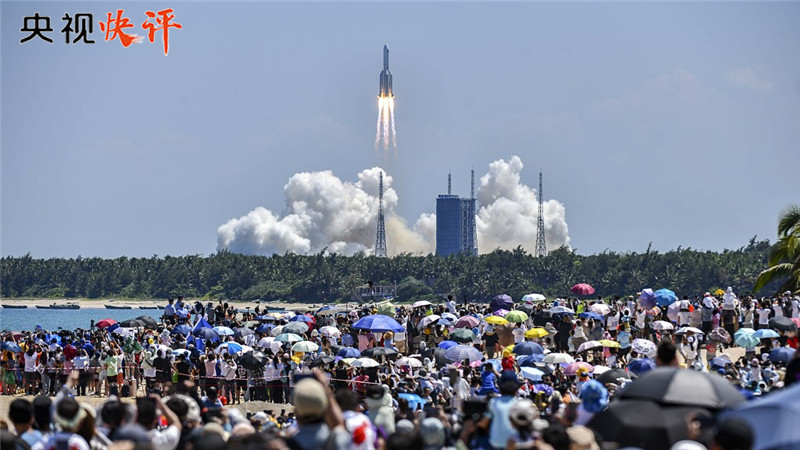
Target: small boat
68	305
150	307
16	306
118	307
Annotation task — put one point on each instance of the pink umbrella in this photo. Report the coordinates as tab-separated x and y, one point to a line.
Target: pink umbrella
582	289
573	368
467	322
105	323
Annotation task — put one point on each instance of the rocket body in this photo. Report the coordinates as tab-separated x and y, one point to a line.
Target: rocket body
385	76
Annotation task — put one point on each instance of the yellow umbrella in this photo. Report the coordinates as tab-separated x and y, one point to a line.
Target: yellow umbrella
510	348
609	343
536	333
495	320
719	292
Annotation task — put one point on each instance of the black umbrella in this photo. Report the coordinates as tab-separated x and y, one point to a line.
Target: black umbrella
378	351
321	361
241	332
782	324
542	317
148	322
674	386
131	323
643	424
613	376
253	360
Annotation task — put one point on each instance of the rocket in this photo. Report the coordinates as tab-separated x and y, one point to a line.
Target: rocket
385	76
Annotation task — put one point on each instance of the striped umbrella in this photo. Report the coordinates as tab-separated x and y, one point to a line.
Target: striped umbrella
462	352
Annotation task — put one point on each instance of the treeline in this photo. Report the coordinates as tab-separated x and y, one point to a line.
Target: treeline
332	277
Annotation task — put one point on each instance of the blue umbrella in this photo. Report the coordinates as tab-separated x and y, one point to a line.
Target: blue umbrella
379	323
206	333
223	331
111	328
182	329
11	347
462	352
773	418
182	313
242	332
532	373
766	333
530	360
263	328
591	315
782	354
528	348
665	297
546	388
641	365
447	344
414	400
349	352
496	363
302	318
231	347
265	318
445	322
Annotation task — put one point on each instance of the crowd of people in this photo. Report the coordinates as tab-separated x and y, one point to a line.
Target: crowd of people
515	375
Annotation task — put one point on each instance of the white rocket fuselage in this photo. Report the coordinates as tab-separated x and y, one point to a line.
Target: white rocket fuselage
385	76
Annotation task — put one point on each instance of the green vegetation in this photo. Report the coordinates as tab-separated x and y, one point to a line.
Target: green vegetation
334	277
784	256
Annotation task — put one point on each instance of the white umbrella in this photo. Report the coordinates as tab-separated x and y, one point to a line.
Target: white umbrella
558	358
588	345
532	373
407	361
644	347
421	303
305	347
598	370
534	298
673	310
662	325
450	316
125	332
365	362
685	330
601	308
427	320
561	309
330	331
270	343
277	330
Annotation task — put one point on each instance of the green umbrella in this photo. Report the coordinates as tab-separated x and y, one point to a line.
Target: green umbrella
462	335
387	309
516	316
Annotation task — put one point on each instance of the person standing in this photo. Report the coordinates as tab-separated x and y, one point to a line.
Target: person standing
111	364
729	304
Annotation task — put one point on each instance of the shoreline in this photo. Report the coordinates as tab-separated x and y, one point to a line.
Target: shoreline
86	303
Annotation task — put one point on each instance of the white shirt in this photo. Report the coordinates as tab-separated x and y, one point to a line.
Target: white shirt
166	439
30	362
612	322
778	310
763	316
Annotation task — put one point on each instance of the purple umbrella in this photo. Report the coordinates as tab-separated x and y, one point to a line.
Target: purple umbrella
467	322
379	323
647	298
502	301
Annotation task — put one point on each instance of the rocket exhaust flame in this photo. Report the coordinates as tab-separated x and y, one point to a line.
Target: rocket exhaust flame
385	131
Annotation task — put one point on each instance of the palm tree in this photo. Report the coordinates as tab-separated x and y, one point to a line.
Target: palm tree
784	258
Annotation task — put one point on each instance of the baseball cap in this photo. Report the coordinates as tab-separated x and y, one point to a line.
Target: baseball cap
310	400
432	432
522	412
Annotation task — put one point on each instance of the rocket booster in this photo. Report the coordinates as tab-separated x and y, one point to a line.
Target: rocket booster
385	76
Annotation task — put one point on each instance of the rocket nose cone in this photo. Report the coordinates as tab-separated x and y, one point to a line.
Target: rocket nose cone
385	47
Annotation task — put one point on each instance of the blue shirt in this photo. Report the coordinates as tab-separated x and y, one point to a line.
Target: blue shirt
169	310
501	429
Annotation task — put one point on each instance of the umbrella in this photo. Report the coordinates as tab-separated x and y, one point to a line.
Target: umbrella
532	373
516	316
125	332
534	298
590	315
230	347
270	343
148	322
766	333
11	347
535	333
378	351
253	360
544	388
305	347
665	297
719	334
288	337
574	367
241	332
415	402
501	312
462	352
330	331
746	340
647	298
379	323
530	360
662	325
684	330
348	352
320	361
601	308
501	301
206	333
105	323
495	320
782	324
264	328
421	304
588	345
223	331
445	322
295	327
674	386
327	309
303	318
609	343
427	320
720	361
673	311
387	309
444	345
277	330
616	376
640	366
131	323
773	419
561	310
782	354
641	424
449	316
407	361
182	329
467	322
643	347
181	351
528	348
365	362
558	358
582	289
719	292
462	335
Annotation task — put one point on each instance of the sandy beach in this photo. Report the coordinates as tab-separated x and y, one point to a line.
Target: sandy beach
86	303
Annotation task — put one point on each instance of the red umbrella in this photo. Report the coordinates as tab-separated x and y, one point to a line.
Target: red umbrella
582	289
105	323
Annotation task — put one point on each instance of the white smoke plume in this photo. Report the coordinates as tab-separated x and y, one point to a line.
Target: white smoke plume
322	211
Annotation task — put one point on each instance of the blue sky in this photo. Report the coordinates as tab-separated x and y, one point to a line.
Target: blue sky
672	123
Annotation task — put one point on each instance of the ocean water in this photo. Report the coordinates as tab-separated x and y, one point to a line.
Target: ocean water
53	319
